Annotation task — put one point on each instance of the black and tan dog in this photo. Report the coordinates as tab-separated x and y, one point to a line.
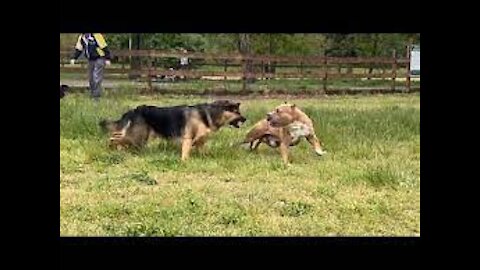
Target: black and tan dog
190	124
285	126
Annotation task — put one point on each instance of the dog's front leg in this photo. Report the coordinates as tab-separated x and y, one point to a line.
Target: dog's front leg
254	145
200	143
315	143
200	138
284	152
117	141
284	143
187	141
186	147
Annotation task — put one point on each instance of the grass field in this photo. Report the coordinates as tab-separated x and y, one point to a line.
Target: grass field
367	185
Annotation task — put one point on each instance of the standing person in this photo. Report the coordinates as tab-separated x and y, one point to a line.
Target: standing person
95	49
184	62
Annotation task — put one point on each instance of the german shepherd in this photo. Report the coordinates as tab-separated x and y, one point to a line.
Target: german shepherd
190	124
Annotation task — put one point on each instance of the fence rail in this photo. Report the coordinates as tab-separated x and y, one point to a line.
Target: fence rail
252	66
258	58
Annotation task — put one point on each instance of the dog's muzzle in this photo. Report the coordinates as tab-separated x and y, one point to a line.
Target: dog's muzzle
272	121
238	122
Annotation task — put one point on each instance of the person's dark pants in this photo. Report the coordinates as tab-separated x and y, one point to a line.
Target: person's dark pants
184	68
95	76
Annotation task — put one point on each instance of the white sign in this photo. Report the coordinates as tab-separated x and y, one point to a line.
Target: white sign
415	61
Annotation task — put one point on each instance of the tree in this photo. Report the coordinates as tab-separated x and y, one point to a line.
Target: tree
369	45
244	47
341	45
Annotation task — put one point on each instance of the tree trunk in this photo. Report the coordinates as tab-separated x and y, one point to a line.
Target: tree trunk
270	65
374	51
136	46
244	49
135	62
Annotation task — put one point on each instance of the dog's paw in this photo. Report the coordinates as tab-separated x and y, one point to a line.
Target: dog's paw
320	152
245	146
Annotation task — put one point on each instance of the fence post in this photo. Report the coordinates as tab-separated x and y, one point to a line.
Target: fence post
130	48
301	70
149	67
244	81
225	74
394	69
408	68
247	67
262	66
325	73
225	69
135	61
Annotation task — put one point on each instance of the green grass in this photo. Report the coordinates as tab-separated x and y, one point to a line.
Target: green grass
368	184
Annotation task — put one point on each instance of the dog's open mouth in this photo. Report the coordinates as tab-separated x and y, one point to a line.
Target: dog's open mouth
236	123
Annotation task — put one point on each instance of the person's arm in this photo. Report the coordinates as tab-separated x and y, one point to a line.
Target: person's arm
78	49
107	53
102	44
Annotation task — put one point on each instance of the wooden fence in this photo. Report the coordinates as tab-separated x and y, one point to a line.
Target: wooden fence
247	67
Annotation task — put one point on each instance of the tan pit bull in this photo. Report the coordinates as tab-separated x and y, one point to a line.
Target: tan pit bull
285	126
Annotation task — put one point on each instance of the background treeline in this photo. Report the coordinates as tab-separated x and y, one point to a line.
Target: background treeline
349	45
